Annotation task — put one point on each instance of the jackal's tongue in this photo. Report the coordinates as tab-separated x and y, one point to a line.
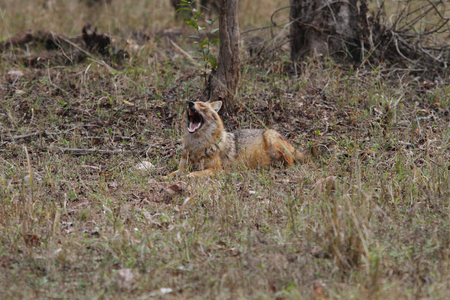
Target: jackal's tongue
193	126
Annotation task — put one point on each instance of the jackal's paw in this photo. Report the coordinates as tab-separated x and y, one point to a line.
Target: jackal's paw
200	174
171	175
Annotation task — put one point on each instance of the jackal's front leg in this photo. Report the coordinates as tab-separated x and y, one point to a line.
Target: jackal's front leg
213	167
172	174
203	173
182	168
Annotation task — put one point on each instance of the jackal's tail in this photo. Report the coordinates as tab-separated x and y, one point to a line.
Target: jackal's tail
309	153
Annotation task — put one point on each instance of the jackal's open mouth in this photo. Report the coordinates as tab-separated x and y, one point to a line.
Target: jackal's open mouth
195	121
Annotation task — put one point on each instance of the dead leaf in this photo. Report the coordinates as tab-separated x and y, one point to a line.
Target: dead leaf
32	240
113	185
318	292
150	245
186	201
66	225
124	278
174	189
378	111
128	102
69	230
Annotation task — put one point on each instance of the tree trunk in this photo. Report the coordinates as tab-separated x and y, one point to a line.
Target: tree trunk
329	28
223	81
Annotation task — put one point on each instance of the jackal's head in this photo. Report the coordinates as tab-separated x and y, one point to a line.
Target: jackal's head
201	115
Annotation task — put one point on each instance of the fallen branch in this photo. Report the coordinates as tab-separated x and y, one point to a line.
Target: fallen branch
24	136
259	28
188	56
78	151
44	133
100	62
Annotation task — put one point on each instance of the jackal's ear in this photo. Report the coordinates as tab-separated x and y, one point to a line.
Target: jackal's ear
216	105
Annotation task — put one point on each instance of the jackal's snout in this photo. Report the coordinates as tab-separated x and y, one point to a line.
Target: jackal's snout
194	118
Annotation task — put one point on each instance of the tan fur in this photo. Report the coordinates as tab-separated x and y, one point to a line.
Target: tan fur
211	148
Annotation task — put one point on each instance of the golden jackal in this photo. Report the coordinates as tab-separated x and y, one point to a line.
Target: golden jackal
208	147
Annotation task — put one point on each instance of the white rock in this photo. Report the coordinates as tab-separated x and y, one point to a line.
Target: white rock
165	290
144	166
15	73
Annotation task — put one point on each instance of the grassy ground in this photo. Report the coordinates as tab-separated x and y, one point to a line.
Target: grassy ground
369	219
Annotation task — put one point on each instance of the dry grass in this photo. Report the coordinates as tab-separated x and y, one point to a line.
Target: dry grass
120	16
91	226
